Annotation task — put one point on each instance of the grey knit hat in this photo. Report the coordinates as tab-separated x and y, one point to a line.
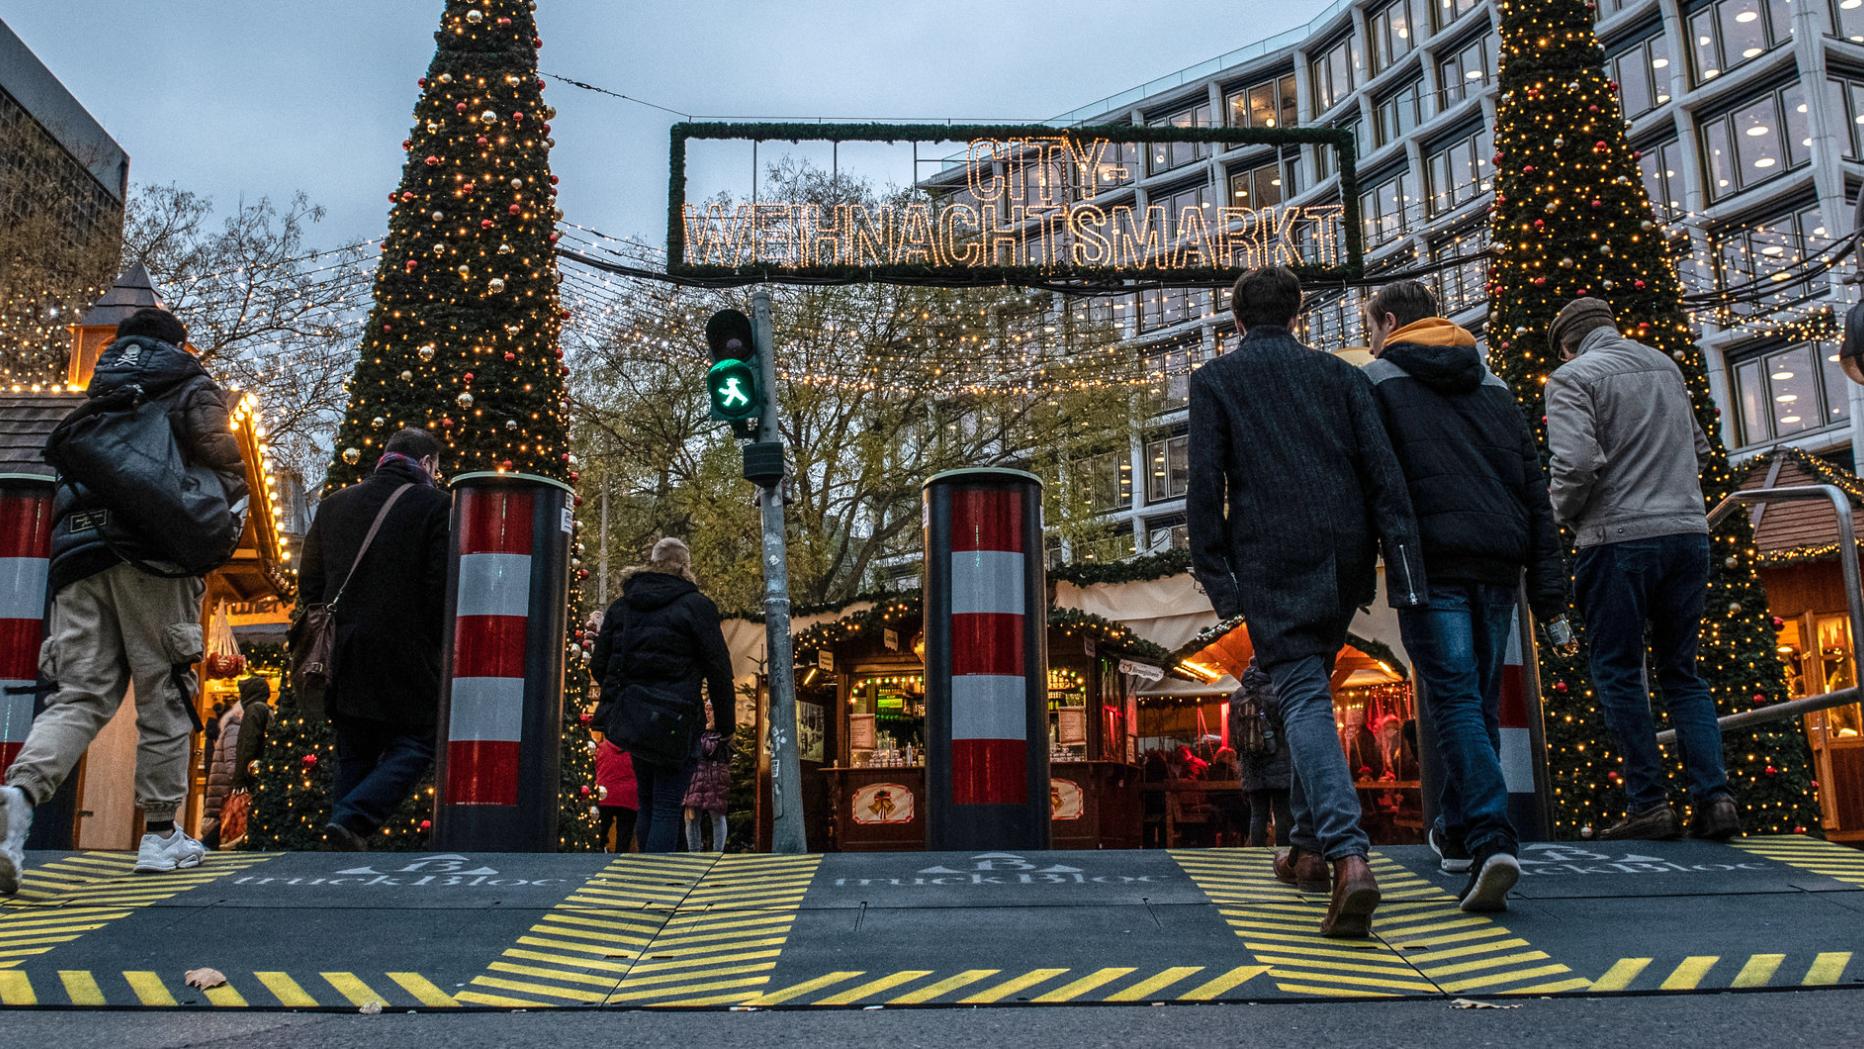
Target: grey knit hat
1581	317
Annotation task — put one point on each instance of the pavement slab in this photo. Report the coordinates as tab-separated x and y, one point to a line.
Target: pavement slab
343	932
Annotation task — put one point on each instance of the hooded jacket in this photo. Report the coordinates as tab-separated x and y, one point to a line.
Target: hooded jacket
1627	450
1470	464
663	632
86	535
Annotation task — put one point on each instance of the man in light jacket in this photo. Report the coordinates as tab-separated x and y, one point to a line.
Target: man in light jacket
1626	455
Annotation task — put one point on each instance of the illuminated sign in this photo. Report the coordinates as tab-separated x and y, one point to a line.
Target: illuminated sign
1025	203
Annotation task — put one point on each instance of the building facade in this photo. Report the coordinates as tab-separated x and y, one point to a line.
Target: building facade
1747	116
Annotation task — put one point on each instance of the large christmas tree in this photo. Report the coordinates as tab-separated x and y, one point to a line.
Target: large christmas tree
1571	218
462	339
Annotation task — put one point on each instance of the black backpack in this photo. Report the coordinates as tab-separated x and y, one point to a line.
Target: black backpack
121	450
1252	724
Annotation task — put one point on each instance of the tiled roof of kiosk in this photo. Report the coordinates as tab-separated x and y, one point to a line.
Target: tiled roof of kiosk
26	420
1799	530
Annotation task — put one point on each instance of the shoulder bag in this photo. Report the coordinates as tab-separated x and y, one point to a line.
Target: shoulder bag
313	635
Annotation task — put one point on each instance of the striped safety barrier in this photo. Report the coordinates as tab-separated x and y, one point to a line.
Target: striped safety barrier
986	661
25	558
1518	751
503	695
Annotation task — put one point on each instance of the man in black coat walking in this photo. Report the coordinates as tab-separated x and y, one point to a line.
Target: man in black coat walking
1293	481
1475	480
384	701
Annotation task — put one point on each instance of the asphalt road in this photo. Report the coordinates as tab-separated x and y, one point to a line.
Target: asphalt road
1803	1019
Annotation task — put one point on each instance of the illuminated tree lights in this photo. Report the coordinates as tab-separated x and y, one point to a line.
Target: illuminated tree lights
463	336
1572	218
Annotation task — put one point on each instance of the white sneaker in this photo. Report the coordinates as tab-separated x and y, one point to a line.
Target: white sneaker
15	822
176	852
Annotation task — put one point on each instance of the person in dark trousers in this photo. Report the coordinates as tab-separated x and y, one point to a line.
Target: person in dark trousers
384	701
114	624
1267	773
663	634
1473	472
1293	482
1626	457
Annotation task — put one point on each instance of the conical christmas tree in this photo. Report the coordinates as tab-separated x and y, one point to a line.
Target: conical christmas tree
1571	218
462	339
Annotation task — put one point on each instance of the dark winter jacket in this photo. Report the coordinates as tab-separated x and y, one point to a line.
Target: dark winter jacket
1292	483
391	619
222	768
664	633
86	532
1470	465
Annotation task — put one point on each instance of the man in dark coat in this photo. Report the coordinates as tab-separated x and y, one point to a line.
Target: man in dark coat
119	620
1476	483
385	699
1292	483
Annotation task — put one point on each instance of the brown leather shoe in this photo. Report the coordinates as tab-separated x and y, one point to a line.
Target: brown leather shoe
1302	869
1355	897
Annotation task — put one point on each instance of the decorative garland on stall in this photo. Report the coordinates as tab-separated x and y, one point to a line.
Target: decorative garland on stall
897	610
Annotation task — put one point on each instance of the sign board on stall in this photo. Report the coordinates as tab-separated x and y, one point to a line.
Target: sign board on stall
1025	203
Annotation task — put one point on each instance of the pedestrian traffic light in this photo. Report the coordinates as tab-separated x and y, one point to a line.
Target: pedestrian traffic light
731	385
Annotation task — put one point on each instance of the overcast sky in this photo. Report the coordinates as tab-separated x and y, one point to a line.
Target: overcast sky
251	98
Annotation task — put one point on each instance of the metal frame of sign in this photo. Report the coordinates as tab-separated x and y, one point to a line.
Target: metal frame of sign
1341	140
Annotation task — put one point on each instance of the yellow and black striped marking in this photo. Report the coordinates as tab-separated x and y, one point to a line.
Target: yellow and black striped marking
1041	986
1423	944
723	943
243	990
1809	854
1698	972
61	901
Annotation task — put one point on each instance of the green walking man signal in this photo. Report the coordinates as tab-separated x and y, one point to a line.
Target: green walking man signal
731	385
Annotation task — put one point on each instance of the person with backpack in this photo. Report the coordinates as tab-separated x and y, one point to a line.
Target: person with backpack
132	542
1474	476
1266	772
376	559
660	655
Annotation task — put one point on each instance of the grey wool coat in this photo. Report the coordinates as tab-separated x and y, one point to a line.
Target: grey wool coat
1293	484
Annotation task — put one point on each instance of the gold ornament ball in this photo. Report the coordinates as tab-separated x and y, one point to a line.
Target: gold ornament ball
378	422
511	424
352	456
464	400
495	285
407	376
475	16
427	351
465	271
488	117
516	182
505	249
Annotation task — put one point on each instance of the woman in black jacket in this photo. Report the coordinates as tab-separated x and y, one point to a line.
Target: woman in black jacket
663	636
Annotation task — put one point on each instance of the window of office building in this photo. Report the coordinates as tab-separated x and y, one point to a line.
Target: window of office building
1114	542
1119	164
1643	74
1850	21
1165	156
1756	250
1169	366
1730	33
1661	164
1396	29
1756	141
1167	533
1168	467
1465	71
1164	307
1846	98
1383	209
1450	10
1268	104
1334	321
1263	185
1399	113
1103	482
1326	160
1608	8
1335	71
1460	171
1095	314
1786	390
1465	283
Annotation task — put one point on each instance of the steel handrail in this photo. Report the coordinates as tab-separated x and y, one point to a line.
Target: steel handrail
1854	600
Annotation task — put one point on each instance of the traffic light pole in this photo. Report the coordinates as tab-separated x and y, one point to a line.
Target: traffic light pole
786	776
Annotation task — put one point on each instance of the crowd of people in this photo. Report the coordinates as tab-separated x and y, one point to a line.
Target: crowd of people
1303	467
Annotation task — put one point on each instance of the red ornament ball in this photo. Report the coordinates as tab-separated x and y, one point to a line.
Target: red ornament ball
1778	622
1560	686
510	356
482	140
485	223
515	209
459	107
433	161
407	197
427	824
518	115
553	180
467	376
553	236
504	20
309	761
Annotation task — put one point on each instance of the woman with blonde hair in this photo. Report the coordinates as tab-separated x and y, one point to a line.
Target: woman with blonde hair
661	654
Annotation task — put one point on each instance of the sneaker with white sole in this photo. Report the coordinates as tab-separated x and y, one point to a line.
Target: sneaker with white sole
1452	858
174	853
15	823
1488	887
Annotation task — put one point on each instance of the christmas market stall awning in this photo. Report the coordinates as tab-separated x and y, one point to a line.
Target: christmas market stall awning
1802	531
1224	651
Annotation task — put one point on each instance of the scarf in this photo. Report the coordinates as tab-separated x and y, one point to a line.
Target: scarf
421	475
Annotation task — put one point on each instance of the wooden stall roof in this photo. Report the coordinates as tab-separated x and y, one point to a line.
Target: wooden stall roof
1226	651
1790	533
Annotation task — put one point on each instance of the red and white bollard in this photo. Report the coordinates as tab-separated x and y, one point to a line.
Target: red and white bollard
986	673
1523	754
501	706
25	560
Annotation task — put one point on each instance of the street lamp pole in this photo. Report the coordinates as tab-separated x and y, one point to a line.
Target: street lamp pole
787	831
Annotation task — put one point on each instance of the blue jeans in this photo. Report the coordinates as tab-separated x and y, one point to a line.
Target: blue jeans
662	791
1660	583
1458	644
378	766
1325	803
